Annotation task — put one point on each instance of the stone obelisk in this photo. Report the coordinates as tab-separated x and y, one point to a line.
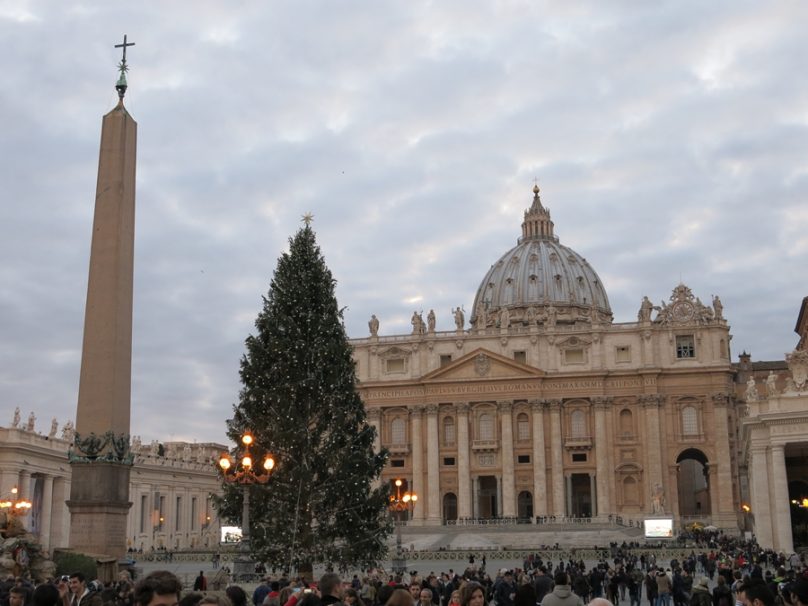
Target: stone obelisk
100	456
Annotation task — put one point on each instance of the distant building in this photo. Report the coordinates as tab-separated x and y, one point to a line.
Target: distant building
774	442
544	406
169	488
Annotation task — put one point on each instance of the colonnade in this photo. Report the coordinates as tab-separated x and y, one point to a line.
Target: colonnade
48	517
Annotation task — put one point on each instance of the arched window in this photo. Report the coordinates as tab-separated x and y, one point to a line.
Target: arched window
486	426
448	431
690	421
578	424
397	433
626	423
522	427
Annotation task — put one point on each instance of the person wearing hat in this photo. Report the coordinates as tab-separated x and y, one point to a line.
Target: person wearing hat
701	595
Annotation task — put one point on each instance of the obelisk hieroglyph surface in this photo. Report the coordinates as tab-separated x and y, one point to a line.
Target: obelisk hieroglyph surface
100	456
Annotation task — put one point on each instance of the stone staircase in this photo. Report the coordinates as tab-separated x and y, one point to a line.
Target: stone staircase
515	537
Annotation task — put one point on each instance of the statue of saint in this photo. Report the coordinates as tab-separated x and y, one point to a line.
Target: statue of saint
430	321
373	325
29	426
54	428
504	318
15	422
136	444
531	316
644	315
417	322
68	432
771	384
751	390
459	318
658	500
551	316
718	307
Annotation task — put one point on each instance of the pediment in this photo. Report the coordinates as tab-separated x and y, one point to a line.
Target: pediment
482	364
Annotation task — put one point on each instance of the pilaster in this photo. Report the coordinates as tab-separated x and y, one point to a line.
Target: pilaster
463	467
557	457
416	412
432	464
539	462
508	479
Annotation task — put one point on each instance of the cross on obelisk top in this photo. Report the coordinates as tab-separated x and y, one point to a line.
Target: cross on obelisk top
123	46
123	67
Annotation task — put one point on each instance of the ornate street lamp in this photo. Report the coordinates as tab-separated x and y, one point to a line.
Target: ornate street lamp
242	472
15	509
401	503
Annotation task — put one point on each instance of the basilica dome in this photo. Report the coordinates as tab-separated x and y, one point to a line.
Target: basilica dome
540	281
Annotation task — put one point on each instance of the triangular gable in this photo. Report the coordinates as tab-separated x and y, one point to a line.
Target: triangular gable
482	364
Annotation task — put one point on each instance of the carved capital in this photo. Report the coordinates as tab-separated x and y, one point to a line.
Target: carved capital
653	400
601	402
374	415
554	405
720	399
417	410
505	405
462	408
431	409
537	406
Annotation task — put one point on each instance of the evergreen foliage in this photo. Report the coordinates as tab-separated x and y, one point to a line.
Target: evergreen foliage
299	400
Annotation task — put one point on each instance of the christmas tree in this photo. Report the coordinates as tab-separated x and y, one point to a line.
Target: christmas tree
299	401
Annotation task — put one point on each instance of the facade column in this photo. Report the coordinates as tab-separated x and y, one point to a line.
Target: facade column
416	413
783	538
24	492
463	467
47	507
432	464
712	480
761	490
726	496
475	497
569	495
556	457
539	463
594	496
673	482
653	445
602	446
508	480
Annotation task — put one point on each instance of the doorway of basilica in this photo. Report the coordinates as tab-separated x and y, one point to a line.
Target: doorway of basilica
487	497
580	495
693	483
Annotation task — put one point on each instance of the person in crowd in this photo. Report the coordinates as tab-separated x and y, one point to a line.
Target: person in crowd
401	597
700	596
562	594
80	594
159	588
46	594
472	593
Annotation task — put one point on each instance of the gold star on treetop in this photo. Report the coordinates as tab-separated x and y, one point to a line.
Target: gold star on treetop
308	218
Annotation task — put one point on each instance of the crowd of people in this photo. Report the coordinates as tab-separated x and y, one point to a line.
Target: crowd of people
726	571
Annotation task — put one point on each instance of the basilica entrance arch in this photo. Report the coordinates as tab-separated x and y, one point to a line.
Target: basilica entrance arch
524	505
487	497
449	506
693	483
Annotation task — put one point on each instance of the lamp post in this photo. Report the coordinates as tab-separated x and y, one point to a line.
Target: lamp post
15	508
400	503
242	472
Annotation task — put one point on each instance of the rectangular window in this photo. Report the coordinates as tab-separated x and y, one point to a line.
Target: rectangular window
396	462
523	458
622	353
445	359
395	365
449	461
578	457
685	347
574	356
520	356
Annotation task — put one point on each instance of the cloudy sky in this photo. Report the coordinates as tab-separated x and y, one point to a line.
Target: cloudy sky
669	138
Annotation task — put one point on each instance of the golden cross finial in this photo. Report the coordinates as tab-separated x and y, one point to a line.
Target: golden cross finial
308	218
